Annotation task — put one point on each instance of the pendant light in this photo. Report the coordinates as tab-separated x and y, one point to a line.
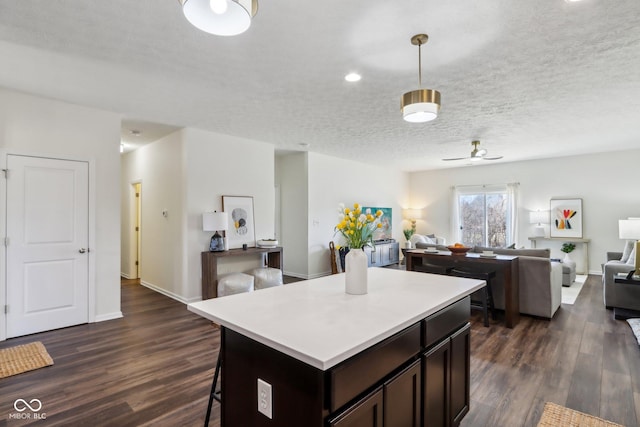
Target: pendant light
220	17
420	105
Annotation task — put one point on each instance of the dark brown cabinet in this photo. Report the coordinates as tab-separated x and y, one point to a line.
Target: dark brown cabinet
446	380
365	413
396	404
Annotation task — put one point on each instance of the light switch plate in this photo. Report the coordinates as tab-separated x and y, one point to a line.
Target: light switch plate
264	399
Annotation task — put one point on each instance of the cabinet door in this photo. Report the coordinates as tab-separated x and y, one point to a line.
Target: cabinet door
402	395
373	257
365	413
460	380
436	384
394	252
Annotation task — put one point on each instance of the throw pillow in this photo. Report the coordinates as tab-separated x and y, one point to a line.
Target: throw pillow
628	247
632	257
431	236
417	238
511	246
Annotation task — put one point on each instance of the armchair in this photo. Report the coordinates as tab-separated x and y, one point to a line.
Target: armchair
615	295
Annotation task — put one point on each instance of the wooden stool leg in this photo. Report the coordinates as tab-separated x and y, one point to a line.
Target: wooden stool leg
485	308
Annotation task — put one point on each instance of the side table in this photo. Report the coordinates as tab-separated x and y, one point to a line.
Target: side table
630	286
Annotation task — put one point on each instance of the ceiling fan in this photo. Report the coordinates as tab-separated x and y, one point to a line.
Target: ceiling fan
476	154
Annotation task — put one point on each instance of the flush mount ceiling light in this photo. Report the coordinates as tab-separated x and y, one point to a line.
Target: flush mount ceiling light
420	105
220	17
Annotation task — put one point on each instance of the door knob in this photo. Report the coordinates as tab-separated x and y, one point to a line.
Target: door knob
82	250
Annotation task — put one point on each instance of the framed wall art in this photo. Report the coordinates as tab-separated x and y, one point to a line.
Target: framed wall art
383	233
242	228
566	218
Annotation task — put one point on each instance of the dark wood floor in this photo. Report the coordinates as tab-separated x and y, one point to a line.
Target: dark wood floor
154	367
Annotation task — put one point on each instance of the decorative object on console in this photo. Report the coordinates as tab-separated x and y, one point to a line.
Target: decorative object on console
357	227
629	229
412	215
215	221
220	17
242	230
567	248
539	218
407	235
421	105
567	218
267	243
458	249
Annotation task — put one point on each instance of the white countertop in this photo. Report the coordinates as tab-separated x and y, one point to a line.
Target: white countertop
316	322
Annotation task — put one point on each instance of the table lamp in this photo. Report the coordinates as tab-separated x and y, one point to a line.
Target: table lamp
215	221
629	229
539	217
412	215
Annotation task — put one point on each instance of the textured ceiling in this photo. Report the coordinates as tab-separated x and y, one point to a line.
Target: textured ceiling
529	79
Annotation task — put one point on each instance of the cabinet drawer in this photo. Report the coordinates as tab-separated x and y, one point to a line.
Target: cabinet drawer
441	324
356	375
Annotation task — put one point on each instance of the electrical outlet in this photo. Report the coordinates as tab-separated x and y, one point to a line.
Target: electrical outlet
264	398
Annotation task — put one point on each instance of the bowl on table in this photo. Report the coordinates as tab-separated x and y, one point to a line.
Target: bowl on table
459	250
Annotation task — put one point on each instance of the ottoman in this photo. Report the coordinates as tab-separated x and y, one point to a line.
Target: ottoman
235	283
568	272
266	277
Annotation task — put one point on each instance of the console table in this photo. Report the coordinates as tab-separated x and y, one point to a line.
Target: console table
507	265
582	267
210	265
329	359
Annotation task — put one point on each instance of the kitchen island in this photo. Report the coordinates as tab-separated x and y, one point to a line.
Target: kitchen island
399	353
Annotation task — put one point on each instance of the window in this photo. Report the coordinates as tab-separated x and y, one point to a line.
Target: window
485	215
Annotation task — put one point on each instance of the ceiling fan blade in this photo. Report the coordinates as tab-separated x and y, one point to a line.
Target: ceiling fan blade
455	158
481	152
492	158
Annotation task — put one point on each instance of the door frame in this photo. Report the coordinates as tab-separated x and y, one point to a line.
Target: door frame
134	239
91	291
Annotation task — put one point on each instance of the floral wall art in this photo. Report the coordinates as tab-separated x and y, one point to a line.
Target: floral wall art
566	218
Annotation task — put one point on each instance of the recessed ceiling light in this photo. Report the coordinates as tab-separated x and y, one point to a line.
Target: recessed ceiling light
352	77
135	132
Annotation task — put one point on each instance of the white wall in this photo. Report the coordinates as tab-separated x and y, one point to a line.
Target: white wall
221	165
37	126
292	178
329	181
186	174
605	182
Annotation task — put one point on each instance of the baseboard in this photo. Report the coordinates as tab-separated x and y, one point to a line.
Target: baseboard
125	276
108	316
169	294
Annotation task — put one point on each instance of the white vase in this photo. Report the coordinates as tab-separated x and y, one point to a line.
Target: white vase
407	244
567	258
356	272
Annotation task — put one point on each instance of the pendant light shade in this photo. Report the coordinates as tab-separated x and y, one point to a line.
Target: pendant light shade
422	105
220	17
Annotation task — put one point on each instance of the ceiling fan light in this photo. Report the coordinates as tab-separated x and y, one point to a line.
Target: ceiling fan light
419	106
475	158
235	20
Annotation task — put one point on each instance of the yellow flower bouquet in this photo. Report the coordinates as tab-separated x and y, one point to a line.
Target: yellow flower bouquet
356	226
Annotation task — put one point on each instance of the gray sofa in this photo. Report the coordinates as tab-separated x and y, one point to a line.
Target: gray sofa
621	296
540	280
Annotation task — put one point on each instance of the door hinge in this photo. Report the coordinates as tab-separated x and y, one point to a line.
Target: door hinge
136	262
6	173
137	194
6	241
137	228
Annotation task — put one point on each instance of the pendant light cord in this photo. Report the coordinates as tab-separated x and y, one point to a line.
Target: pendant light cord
420	64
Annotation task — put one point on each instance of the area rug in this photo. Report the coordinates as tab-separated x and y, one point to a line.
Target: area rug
559	416
570	293
635	327
23	358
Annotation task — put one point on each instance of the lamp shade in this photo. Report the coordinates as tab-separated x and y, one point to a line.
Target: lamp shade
215	221
629	229
539	217
420	105
232	19
412	213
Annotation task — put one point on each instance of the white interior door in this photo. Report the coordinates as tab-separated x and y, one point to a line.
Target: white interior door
47	244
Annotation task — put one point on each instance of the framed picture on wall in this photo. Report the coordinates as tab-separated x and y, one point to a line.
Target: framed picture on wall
566	218
242	229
